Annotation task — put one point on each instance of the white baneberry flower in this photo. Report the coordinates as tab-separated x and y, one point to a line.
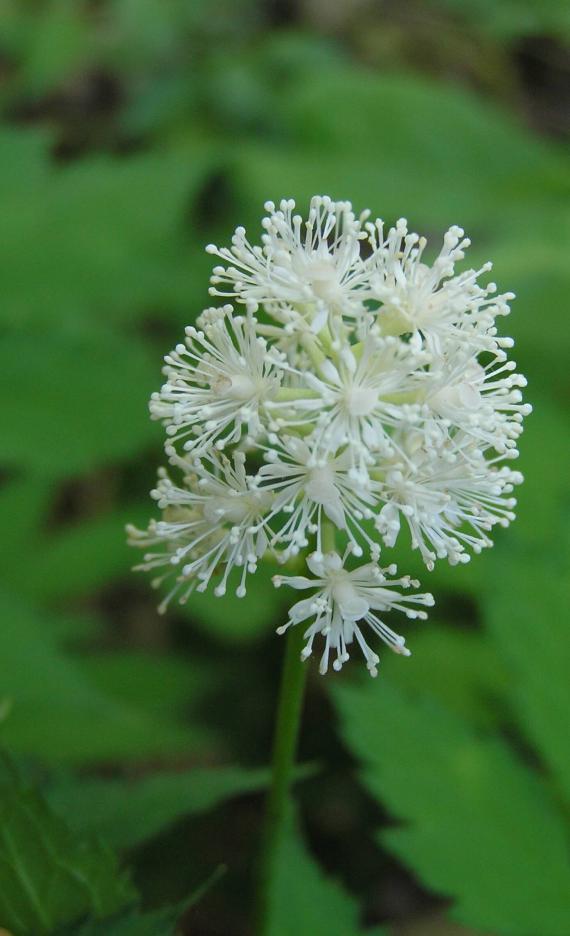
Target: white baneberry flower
342	600
431	301
310	487
484	401
216	382
363	394
357	403
313	265
213	522
448	503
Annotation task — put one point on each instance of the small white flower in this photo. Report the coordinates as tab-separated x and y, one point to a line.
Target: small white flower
482	401
310	486
431	301
342	600
448	503
313	264
216	382
357	403
214	521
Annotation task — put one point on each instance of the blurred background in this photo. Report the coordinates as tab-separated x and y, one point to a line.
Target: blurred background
134	132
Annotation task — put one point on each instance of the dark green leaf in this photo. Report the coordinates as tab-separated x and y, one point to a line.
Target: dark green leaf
131	923
165	684
49	875
126	813
240	619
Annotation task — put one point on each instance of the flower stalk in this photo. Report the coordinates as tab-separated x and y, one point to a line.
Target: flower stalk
287	725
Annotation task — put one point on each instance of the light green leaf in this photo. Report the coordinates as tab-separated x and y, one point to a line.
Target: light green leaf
479	828
392	153
55	713
101	238
92	406
127	813
49	875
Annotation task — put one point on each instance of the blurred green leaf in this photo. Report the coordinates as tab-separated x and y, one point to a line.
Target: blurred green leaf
412	147
49	875
82	556
543	509
157	683
23	506
302	899
55	713
238	620
71	560
479	828
510	19
103	238
459	668
532	261
92	404
127	813
131	923
55	42
526	616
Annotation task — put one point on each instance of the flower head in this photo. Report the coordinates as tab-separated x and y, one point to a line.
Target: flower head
364	393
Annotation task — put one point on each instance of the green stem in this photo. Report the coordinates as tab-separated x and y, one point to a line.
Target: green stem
287	725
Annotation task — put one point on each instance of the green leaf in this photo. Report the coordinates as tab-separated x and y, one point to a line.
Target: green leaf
92	407
164	684
513	18
127	813
479	828
303	899
131	923
82	556
49	875
343	151
55	44
527	616
459	668
238	620
134	923
23	505
55	713
101	238
543	509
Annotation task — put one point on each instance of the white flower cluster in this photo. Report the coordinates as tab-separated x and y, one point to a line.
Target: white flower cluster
359	392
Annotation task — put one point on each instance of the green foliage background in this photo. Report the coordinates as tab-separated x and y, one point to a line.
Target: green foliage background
133	133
